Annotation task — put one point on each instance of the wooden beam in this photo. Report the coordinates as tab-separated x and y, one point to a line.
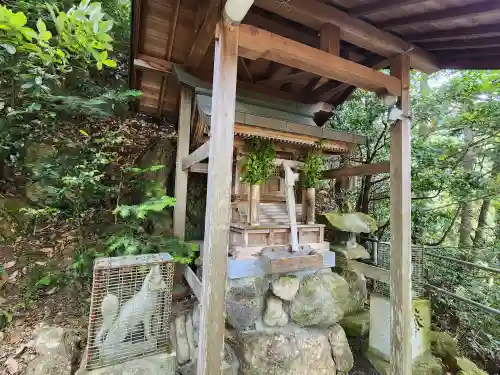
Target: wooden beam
446	14
257	43
136	23
204	36
245	74
474	43
289	137
468	53
260	18
199	168
193	281
327	95
358	170
173	28
487	63
316	14
278	81
367	270
329	41
216	241
201	153
463	32
381	6
181	176
153	64
400	216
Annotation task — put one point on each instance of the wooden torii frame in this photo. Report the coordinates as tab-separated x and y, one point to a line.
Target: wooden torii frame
232	41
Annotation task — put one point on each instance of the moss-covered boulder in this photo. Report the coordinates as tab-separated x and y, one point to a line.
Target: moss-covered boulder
291	352
356	325
355	222
467	367
426	364
341	351
443	345
321	299
355	251
245	301
358	292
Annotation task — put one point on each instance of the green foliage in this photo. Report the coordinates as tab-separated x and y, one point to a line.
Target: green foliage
259	163
447	191
314	165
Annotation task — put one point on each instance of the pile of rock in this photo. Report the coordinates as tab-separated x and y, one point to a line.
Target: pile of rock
287	325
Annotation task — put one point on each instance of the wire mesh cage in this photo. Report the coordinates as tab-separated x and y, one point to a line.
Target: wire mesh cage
383	257
130	309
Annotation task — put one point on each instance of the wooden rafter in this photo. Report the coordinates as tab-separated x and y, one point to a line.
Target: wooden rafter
464	32
257	43
492	41
316	14
278	81
468	53
329	41
381	6
137	5
468	10
243	71
305	35
153	64
337	90
204	36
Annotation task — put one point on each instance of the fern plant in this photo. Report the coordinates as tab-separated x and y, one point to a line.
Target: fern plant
259	164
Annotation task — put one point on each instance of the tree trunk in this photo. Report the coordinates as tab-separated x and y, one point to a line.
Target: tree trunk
466	217
481	223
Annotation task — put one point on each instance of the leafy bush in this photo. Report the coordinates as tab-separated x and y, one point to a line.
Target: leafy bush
314	165
259	163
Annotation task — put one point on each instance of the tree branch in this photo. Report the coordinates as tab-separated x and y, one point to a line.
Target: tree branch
446	232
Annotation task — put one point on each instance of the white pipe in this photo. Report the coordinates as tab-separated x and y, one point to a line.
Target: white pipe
236	10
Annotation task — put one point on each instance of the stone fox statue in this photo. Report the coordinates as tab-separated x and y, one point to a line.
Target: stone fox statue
119	323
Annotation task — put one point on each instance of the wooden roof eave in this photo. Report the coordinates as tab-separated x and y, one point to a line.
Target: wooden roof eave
269	115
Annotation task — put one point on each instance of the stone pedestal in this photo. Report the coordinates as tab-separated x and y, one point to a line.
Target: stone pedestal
380	326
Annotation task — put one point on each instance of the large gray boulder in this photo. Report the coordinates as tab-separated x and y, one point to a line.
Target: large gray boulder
358	292
321	300
49	365
58	351
245	301
341	351
291	352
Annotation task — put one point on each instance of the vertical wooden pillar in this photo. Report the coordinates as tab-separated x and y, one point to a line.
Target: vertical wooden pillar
215	246
401	295
181	177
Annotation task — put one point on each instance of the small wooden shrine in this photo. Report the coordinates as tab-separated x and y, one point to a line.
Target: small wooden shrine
272	223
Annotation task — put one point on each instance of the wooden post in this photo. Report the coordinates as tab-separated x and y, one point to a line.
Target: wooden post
254	202
215	246
311	205
400	167
290	178
181	176
304	205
